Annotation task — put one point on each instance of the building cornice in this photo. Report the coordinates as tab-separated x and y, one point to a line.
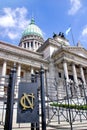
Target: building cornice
71	50
65	54
10	46
21	55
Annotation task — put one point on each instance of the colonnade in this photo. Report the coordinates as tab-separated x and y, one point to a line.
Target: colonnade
75	77
3	76
32	45
65	67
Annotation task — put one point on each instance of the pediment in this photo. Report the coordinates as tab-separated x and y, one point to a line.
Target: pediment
78	51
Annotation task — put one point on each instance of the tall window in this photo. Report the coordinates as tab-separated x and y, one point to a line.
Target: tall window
28	44
59	75
24	45
71	77
32	44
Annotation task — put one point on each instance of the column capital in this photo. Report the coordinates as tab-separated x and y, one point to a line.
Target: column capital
64	61
80	65
73	62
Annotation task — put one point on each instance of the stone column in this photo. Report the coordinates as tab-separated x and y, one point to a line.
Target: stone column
19	73
26	45
32	70
65	70
74	73
4	68
18	79
37	45
76	87
3	78
33	45
82	74
32	74
30	45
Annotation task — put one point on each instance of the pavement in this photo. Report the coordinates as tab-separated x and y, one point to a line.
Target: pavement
65	126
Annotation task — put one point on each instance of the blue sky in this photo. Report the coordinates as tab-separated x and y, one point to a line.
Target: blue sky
50	15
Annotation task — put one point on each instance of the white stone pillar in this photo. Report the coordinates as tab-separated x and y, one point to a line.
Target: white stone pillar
3	78
4	68
74	73
30	45
65	70
37	45
33	45
82	74
26	45
19	72
18	78
32	70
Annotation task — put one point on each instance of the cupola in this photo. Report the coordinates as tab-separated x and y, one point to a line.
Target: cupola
32	37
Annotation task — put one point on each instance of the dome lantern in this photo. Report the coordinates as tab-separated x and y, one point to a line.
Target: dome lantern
32	21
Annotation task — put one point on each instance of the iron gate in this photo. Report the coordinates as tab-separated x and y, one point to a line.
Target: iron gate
66	104
5	83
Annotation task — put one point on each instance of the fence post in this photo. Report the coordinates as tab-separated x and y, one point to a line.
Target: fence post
67	95
10	100
42	99
32	80
36	80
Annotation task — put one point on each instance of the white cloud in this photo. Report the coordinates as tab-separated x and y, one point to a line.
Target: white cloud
13	22
84	31
75	6
12	35
83	37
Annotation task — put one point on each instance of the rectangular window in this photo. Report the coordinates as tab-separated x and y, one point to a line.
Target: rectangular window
59	75
22	74
24	45
71	77
8	71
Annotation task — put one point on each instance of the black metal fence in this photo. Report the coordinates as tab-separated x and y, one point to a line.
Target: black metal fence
9	88
64	103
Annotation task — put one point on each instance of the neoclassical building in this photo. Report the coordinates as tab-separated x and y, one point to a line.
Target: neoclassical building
59	58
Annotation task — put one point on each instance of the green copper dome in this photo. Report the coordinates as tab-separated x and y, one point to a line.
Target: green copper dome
32	29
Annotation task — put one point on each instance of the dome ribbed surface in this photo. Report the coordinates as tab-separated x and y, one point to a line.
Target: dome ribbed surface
32	29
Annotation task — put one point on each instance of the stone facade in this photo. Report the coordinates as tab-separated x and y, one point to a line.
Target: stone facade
60	61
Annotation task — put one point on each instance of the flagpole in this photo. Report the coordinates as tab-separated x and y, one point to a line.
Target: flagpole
72	37
70	30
